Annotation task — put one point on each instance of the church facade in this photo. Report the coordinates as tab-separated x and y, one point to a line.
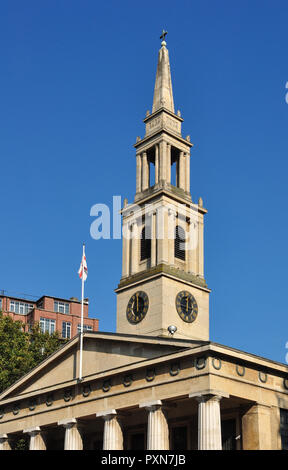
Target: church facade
158	383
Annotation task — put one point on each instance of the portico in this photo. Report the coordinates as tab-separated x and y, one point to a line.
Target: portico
183	394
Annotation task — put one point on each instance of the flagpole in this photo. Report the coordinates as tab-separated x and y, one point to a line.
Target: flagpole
82	314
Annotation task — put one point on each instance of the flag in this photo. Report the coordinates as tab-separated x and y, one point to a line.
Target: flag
83	270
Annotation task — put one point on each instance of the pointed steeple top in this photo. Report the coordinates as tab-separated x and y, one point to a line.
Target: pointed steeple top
163	95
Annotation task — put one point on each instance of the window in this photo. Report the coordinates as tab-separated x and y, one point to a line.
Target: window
20	307
85	328
284	428
47	325
145	247
179	243
66	329
0	304
61	307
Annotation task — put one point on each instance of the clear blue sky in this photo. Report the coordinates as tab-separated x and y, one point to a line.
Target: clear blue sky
76	80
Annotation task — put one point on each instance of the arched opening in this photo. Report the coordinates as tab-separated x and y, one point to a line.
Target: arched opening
151	166
179	243
175	166
145	244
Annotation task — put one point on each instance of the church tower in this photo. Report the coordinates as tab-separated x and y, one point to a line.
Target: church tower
162	284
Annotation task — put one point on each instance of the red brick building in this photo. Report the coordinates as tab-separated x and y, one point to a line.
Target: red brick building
52	313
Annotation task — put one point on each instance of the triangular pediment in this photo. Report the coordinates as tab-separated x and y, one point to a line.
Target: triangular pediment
102	352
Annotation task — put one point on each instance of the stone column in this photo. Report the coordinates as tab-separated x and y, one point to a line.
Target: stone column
162	161
145	171
201	246
256	428
192	247
209	419
158	431
4	442
113	435
209	423
181	182
73	438
161	233
156	163
134	248
168	162
36	438
138	173
171	235
153	240
187	172
125	249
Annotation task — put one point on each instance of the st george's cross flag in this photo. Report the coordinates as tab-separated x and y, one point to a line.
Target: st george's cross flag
83	270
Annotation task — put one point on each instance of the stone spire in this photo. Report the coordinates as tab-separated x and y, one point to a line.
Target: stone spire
163	95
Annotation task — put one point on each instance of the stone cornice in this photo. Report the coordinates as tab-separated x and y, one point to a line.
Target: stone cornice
161	110
162	270
163	131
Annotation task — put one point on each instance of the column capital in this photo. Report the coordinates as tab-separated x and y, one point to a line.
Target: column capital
32	431
68	422
4	442
172	211
132	224
209	394
151	405
157	429
107	414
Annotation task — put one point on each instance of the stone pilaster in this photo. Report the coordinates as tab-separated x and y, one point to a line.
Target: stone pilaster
187	172
168	162
256	428
156	163
4	442
113	436
158	431
181	181
73	438
145	171
138	173
37	441
153	240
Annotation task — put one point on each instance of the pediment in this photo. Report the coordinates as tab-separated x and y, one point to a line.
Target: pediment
101	352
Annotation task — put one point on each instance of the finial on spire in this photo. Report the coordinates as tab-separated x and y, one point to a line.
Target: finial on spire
164	33
163	96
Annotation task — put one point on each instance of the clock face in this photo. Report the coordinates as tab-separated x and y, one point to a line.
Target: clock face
186	306
137	307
